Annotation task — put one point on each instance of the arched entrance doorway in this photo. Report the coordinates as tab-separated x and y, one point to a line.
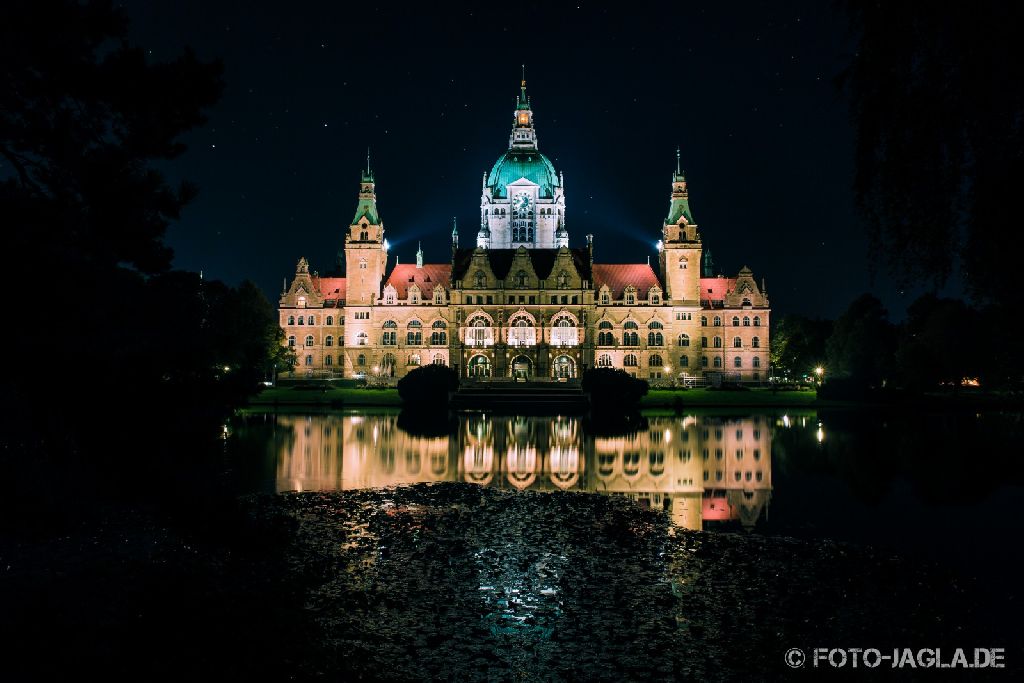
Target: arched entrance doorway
563	368
522	368
479	366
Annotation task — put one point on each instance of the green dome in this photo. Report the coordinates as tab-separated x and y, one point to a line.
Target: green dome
515	164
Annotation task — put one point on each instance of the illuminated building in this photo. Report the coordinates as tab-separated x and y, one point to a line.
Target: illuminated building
521	302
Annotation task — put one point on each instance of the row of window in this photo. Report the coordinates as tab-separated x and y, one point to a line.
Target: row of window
412	359
629	298
311	320
391	297
655	361
745	321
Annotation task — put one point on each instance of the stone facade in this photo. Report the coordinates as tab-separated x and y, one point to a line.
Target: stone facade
522	303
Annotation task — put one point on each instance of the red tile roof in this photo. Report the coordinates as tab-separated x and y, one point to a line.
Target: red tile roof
330	288
714	288
426	278
618	276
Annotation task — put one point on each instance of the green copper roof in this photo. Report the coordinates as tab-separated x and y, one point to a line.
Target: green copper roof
516	164
367	205
368	208
524	101
678	208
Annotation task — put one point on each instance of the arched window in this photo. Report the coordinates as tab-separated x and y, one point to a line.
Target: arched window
703	342
364	236
755	342
717	362
746	321
606	299
361	339
746	302
329	320
521	278
655	339
630	325
563	332
328	340
389	297
604	325
390	335
479	280
735	321
737	362
309	340
310	321
655	325
414	359
361	360
757	321
717	342
439	333
703	361
684	339
684	361
737	343
757	361
291	340
703	321
414	333
655	361
479	332
630	361
604	361
717	321
605	339
682	263
630	296
301	321
438	359
309	360
328	360
630	339
521	332
291	320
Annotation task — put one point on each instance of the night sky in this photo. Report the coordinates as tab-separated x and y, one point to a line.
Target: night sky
746	90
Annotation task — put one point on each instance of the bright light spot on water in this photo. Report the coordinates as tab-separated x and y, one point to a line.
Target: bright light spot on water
785	421
820	434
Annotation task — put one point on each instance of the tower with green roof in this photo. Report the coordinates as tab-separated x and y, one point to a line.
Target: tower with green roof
365	251
680	247
522	202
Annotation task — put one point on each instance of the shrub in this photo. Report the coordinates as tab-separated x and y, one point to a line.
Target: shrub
427	387
613	390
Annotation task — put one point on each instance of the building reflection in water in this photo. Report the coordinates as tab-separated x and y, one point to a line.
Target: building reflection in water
701	470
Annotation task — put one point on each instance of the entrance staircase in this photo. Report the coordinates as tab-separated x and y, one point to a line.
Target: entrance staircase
532	397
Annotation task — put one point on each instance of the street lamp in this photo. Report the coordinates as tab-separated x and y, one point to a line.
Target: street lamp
820	372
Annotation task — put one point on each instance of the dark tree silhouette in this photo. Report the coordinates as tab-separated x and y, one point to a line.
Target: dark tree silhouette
861	347
936	98
798	344
108	341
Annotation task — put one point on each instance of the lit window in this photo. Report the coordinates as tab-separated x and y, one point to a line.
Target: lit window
309	340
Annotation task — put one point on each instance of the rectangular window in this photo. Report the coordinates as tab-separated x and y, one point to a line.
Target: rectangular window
554	299
490	299
533	299
565	299
522	299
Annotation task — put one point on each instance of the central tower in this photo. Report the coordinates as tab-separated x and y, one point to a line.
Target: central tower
522	202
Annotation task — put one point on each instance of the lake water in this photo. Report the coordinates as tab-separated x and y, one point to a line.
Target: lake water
945	485
843	528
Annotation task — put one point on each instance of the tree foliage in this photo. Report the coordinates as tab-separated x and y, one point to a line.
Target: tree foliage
798	344
86	119
862	344
937	105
